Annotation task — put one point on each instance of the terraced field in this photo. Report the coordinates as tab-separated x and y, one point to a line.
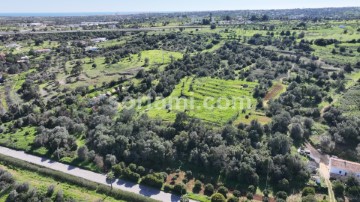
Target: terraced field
215	101
350	102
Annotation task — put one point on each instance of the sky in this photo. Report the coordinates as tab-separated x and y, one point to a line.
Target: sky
68	6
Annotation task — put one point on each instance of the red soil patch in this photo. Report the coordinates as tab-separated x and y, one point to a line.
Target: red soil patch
274	91
179	179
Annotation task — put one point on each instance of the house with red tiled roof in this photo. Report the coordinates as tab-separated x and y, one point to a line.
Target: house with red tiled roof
341	168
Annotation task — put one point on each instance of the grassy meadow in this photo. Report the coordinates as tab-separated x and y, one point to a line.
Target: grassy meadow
213	100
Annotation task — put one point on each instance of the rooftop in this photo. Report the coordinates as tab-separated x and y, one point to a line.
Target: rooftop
345	165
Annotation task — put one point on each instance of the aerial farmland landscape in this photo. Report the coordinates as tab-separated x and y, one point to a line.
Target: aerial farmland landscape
209	101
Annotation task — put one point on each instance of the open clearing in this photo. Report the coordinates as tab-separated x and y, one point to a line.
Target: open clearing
212	100
275	91
103	72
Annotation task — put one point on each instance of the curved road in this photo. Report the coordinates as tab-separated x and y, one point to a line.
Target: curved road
91	176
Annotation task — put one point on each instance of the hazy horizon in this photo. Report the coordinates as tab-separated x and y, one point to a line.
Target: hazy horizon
161	6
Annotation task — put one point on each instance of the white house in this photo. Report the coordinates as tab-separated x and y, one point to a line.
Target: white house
341	168
98	40
91	48
36	24
25	57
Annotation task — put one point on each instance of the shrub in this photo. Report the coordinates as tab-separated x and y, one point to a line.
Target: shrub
117	169
132	167
121	195
162	175
250	196
237	193
50	191
217	197
308	198
141	170
233	199
209	189
180	189
59	196
308	191
99	161
266	199
189	174
184	199
168	188
281	195
152	181
223	190
83	153
6	179
197	186
128	174
23	188
338	188
252	189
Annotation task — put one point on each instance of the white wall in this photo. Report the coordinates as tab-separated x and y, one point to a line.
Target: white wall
336	171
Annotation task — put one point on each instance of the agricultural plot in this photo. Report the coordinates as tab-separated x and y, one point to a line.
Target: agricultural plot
25	47
215	101
21	139
350	101
274	92
103	72
349	56
8	91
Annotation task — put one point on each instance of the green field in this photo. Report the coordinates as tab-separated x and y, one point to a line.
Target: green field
212	100
350	102
106	72
27	46
42	183
22	139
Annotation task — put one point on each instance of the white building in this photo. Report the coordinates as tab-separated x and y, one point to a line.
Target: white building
341	168
97	40
24	59
91	48
13	45
36	24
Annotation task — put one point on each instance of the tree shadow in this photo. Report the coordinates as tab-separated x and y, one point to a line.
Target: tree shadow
175	198
70	167
125	183
148	191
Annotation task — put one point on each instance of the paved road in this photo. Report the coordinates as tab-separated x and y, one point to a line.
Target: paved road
103	30
91	176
